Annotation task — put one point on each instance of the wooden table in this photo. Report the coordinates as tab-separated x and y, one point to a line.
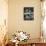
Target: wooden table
35	42
40	44
32	42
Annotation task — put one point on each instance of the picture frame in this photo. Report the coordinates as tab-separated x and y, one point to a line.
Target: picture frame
28	13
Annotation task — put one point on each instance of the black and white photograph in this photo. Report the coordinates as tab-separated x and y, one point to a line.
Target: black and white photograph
28	13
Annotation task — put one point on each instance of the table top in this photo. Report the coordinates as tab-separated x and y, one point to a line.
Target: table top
38	40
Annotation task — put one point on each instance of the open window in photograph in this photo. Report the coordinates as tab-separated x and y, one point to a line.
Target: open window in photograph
28	13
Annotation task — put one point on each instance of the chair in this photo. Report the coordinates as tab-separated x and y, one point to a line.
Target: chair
10	44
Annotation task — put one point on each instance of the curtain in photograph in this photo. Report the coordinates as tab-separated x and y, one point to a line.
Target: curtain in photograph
3	18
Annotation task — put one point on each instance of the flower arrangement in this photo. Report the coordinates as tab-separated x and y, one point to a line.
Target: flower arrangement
21	36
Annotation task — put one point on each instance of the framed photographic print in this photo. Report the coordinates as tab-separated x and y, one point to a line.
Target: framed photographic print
28	13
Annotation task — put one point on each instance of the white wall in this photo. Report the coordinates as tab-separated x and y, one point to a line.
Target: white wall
16	21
